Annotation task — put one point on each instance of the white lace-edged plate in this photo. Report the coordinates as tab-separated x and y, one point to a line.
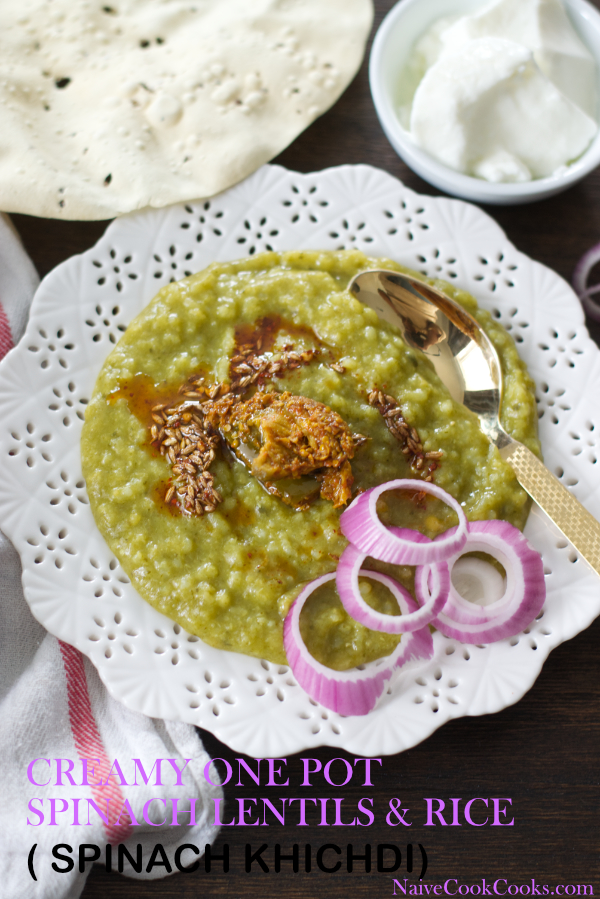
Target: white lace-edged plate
77	589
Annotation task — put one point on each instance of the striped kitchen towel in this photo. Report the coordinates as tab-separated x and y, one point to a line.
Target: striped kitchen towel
55	713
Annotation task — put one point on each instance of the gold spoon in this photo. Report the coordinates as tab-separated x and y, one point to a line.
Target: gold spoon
467	363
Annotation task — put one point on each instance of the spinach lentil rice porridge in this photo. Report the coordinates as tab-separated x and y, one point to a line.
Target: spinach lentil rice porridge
236	418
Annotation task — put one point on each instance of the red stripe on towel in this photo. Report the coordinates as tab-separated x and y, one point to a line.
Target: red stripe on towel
86	735
6	341
88	742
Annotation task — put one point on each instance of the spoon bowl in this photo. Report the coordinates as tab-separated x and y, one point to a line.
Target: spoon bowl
468	365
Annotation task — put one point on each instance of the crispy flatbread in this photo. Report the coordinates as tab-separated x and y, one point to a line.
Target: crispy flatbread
110	107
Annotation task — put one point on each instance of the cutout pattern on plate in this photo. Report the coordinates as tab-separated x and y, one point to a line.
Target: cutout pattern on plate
76	587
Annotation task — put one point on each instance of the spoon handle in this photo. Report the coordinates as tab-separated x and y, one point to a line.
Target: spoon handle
567	513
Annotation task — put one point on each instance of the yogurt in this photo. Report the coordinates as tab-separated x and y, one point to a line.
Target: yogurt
506	94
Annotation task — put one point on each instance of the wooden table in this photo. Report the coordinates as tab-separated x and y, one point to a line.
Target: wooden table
543	752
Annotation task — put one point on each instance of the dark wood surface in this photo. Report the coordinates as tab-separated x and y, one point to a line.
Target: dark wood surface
543	752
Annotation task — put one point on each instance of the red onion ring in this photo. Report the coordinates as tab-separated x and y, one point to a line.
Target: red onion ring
353	692
580	277
431	604
525	587
356	692
363	528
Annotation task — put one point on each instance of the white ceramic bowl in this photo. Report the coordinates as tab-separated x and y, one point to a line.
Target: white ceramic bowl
402	26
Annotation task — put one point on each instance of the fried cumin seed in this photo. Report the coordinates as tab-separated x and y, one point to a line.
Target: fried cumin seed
189	441
407	436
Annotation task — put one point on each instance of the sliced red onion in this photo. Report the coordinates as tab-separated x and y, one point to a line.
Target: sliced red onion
348	571
523	597
353	692
361	525
432	585
580	279
418	645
